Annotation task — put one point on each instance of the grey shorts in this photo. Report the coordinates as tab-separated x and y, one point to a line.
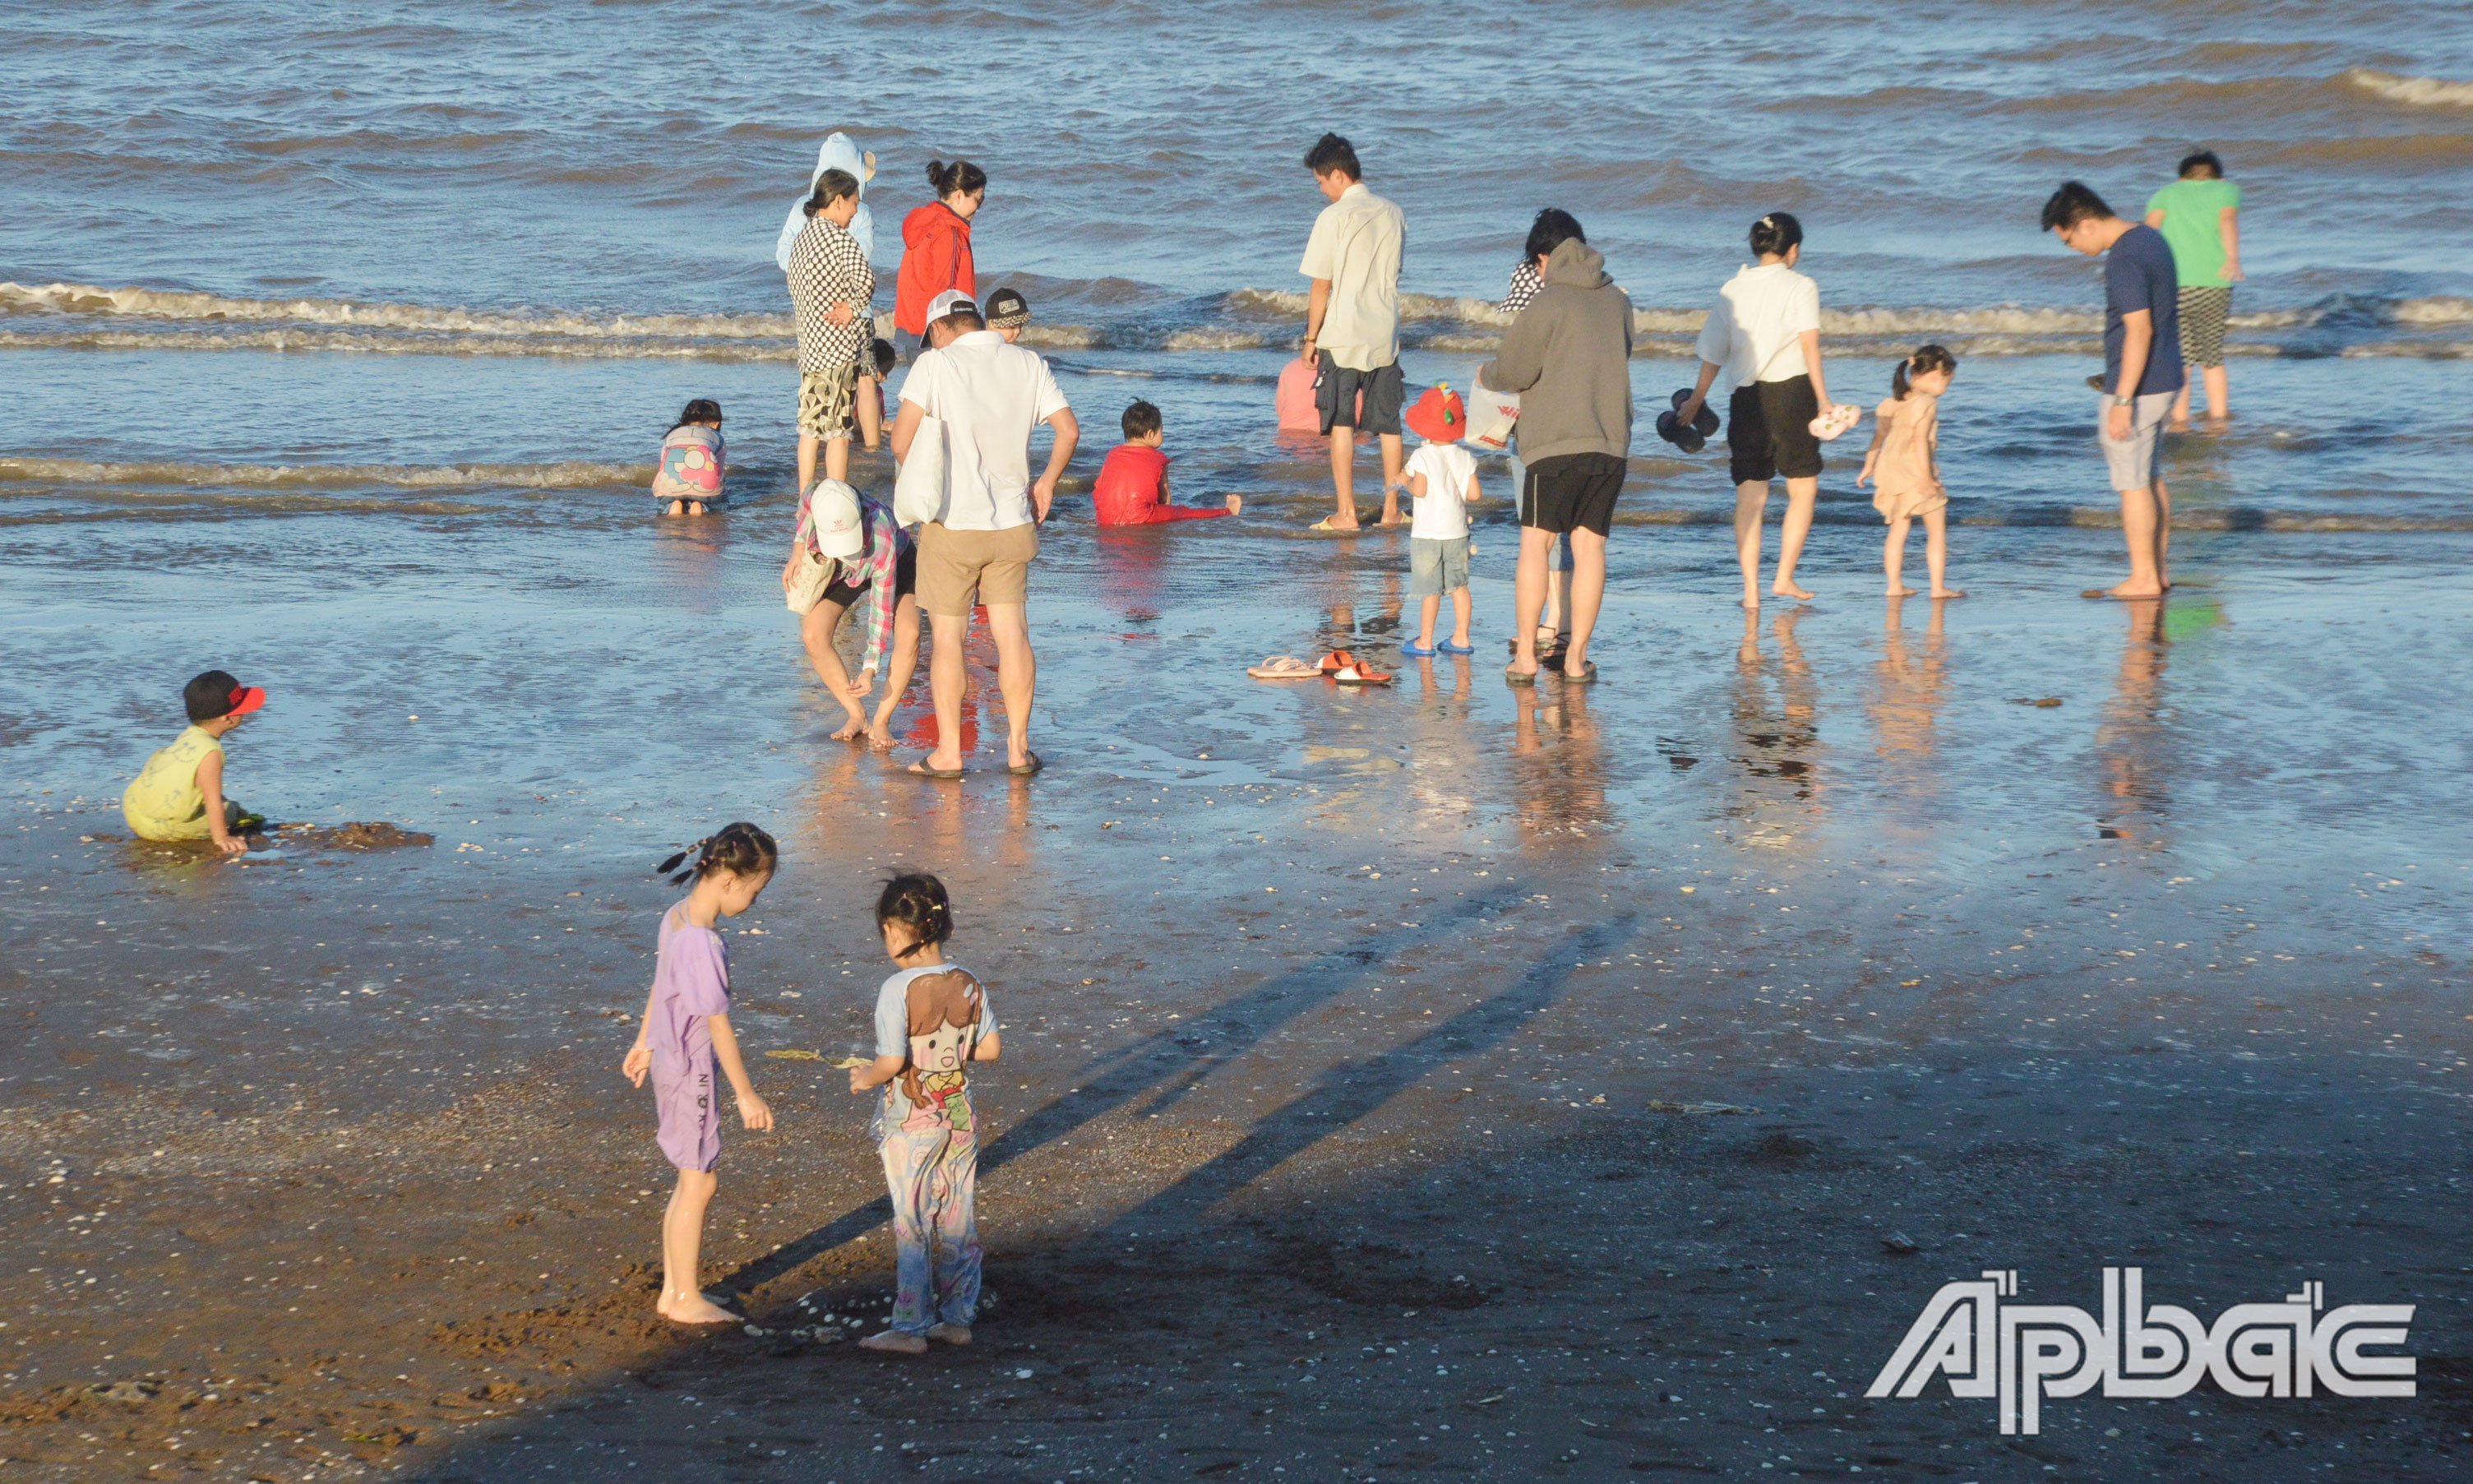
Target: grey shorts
1336	392
2134	460
1436	567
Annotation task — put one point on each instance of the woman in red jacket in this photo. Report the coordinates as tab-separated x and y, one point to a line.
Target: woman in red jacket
936	245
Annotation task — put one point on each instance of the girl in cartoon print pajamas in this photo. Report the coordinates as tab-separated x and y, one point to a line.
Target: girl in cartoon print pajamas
931	1021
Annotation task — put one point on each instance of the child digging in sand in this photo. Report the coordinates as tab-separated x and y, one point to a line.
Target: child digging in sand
686	1031
1902	467
931	1021
180	796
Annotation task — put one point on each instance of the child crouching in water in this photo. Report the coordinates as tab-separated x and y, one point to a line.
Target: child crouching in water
180	795
686	1031
687	479
1904	468
931	1021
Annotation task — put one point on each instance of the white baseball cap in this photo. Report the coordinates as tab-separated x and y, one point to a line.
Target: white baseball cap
947	302
834	509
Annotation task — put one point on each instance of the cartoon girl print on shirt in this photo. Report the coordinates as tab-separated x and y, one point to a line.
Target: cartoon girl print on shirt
945	1017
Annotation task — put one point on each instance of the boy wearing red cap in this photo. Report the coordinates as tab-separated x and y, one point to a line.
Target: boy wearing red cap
180	796
1440	478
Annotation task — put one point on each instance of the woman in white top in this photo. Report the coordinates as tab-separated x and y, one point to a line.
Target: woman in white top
1764	337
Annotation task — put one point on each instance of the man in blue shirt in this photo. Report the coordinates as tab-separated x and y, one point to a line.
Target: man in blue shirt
2142	371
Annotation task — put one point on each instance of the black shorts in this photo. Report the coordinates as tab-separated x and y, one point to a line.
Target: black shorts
905	582
1769	431
1572	491
1335	396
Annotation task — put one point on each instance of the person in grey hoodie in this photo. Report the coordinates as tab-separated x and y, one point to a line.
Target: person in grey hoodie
1568	356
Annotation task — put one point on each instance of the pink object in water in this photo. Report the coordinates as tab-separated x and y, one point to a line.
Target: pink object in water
1296	400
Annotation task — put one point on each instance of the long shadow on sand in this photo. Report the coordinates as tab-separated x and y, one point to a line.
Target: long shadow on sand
1165	1065
1341	1095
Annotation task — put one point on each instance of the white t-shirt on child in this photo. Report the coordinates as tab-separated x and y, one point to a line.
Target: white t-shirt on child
1442	513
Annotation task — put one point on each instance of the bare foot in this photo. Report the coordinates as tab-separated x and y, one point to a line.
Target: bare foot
677	507
696	1311
1787	587
950	1335
1236	505
1901	591
2182	426
895	1342
2127	589
1949	592
880	734
695	508
1751	600
856	727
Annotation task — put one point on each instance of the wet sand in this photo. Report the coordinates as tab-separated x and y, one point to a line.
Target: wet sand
1331	1139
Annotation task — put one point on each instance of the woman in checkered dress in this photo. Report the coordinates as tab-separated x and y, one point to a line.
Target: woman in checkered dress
832	289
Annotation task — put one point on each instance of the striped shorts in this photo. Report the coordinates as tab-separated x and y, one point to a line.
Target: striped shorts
2203	312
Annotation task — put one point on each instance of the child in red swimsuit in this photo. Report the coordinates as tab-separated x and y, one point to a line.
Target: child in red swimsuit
1132	486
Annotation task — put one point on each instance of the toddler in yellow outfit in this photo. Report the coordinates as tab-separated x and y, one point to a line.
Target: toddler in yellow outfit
180	796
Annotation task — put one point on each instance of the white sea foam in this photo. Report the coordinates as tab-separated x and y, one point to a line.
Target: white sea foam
2424	92
85	299
574	474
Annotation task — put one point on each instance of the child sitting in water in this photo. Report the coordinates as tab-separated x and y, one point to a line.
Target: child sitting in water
688	475
931	1021
1132	486
1904	468
686	1030
1442	482
180	796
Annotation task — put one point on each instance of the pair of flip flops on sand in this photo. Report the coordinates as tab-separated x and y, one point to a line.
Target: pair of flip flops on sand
1339	665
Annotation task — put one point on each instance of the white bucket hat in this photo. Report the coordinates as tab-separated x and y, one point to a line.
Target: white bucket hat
833	507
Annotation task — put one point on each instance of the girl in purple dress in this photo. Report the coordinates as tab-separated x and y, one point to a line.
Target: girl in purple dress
685	1033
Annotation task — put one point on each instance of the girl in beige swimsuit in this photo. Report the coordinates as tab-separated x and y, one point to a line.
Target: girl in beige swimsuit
1902	468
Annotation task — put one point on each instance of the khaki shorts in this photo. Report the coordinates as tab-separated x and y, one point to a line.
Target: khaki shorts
953	564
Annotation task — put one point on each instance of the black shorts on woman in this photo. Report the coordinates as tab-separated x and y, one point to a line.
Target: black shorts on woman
1769	431
906	581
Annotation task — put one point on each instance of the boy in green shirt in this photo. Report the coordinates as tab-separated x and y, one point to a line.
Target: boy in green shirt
2200	216
180	796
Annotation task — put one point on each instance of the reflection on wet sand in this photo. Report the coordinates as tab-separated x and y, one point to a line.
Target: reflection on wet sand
1442	748
1779	739
1558	774
2132	743
1906	695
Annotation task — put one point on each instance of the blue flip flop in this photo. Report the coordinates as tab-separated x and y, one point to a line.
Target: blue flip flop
1416	651
1450	647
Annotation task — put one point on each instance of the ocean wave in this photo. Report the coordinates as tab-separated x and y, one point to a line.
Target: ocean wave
572	474
85	299
2424	92
83	316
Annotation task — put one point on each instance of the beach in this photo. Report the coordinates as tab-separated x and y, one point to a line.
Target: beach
1388	992
1443	1079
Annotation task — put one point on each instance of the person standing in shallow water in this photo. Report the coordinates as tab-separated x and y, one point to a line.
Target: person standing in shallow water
1568	356
1353	326
832	291
936	247
2141	373
1763	338
2200	216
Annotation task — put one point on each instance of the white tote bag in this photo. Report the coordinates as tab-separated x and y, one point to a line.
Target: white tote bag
919	491
1491	416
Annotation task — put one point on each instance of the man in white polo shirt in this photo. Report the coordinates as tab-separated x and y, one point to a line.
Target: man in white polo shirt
989	395
1352	324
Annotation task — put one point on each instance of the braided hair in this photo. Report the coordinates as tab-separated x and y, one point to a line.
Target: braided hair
916	900
740	849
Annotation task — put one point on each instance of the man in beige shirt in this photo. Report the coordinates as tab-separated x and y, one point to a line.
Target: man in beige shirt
1352	324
